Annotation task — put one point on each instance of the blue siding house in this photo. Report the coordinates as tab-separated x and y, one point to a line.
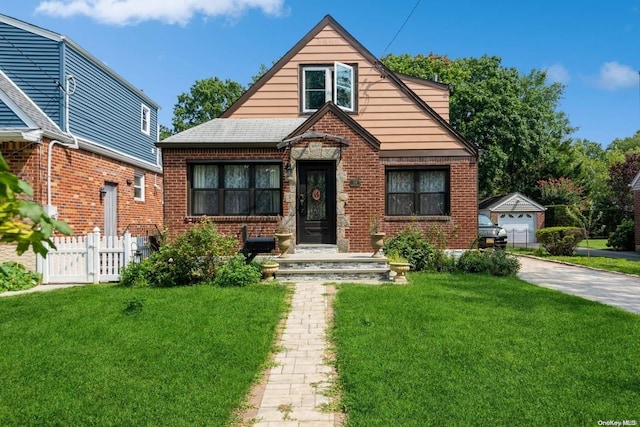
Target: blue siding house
78	132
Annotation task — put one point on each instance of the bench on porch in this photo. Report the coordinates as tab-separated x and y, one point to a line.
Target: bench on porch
252	246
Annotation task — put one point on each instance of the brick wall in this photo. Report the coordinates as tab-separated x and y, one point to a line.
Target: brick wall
76	178
360	182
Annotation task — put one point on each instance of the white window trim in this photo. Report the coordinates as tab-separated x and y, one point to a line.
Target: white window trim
145	111
331	87
141	186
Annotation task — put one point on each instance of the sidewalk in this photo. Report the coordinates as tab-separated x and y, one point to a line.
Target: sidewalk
294	391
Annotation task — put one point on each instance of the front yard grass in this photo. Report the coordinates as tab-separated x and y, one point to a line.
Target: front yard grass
595	244
451	349
107	355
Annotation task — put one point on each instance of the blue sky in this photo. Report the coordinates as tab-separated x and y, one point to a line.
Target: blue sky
164	46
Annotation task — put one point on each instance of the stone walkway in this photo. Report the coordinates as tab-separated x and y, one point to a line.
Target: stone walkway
294	393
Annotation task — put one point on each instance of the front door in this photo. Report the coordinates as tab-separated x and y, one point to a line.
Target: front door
316	216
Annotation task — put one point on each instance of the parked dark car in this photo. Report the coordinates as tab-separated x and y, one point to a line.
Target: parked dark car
491	235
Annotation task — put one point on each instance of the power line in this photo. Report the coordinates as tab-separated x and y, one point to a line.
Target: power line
402	26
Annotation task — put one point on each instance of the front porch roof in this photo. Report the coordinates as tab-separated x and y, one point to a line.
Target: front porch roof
234	132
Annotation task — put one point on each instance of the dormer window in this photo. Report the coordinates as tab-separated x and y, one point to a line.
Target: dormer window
323	83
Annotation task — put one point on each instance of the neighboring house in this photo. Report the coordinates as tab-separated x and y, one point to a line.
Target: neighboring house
328	138
517	214
77	132
635	187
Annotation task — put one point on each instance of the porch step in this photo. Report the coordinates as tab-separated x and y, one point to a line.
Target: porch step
332	267
316	249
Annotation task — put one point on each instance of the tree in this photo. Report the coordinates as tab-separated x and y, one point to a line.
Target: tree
511	117
207	99
627	145
620	176
22	221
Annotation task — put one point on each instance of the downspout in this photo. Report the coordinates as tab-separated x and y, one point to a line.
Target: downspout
50	209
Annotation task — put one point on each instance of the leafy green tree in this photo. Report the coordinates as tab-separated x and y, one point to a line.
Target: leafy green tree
620	176
165	132
626	145
511	117
206	100
22	221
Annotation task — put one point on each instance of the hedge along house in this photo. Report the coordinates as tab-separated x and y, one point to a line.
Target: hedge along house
79	133
328	138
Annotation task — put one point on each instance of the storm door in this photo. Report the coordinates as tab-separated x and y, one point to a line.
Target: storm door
316	216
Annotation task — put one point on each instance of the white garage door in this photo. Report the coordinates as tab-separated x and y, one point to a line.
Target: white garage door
520	226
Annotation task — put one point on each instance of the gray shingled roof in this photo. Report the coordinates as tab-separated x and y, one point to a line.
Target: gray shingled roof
35	114
234	131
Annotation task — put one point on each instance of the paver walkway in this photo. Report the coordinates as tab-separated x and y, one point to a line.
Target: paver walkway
293	395
615	289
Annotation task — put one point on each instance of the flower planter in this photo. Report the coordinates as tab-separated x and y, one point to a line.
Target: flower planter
269	269
284	243
400	268
377	241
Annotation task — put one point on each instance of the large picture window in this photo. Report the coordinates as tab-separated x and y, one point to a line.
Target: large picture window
328	83
235	189
417	192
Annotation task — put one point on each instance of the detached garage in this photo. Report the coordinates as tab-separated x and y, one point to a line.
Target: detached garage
517	214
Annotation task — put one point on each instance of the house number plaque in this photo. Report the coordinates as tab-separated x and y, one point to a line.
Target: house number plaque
315	194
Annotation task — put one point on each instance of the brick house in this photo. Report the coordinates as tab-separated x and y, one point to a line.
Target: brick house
328	138
635	187
80	134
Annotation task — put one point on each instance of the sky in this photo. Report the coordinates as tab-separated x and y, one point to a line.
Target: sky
164	46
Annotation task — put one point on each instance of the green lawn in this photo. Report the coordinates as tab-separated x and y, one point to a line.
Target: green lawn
595	244
110	356
452	349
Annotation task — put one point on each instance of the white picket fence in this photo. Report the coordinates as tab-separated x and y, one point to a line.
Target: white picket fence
88	259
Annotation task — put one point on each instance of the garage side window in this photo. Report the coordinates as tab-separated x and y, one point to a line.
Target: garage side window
417	192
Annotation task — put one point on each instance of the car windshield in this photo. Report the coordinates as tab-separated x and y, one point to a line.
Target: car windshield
485	220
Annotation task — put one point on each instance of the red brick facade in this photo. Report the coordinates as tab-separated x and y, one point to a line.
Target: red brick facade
360	177
636	218
76	178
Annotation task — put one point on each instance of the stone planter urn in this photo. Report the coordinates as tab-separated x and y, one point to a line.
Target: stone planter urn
269	268
400	268
283	240
377	241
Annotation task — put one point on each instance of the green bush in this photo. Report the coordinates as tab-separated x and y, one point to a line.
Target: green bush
623	239
192	257
560	241
236	272
15	277
473	261
137	275
495	262
502	264
412	245
559	216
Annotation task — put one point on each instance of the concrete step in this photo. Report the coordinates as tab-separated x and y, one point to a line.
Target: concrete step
329	266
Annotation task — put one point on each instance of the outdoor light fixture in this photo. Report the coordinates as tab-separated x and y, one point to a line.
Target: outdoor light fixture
103	191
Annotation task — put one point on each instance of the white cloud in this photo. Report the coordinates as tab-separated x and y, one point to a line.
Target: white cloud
123	12
558	73
614	76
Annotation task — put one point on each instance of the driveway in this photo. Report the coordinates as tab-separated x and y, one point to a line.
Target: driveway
618	290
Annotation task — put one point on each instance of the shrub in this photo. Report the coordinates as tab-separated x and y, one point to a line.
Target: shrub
495	262
502	264
15	277
560	241
192	257
137	275
413	246
623	239
473	261
236	272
